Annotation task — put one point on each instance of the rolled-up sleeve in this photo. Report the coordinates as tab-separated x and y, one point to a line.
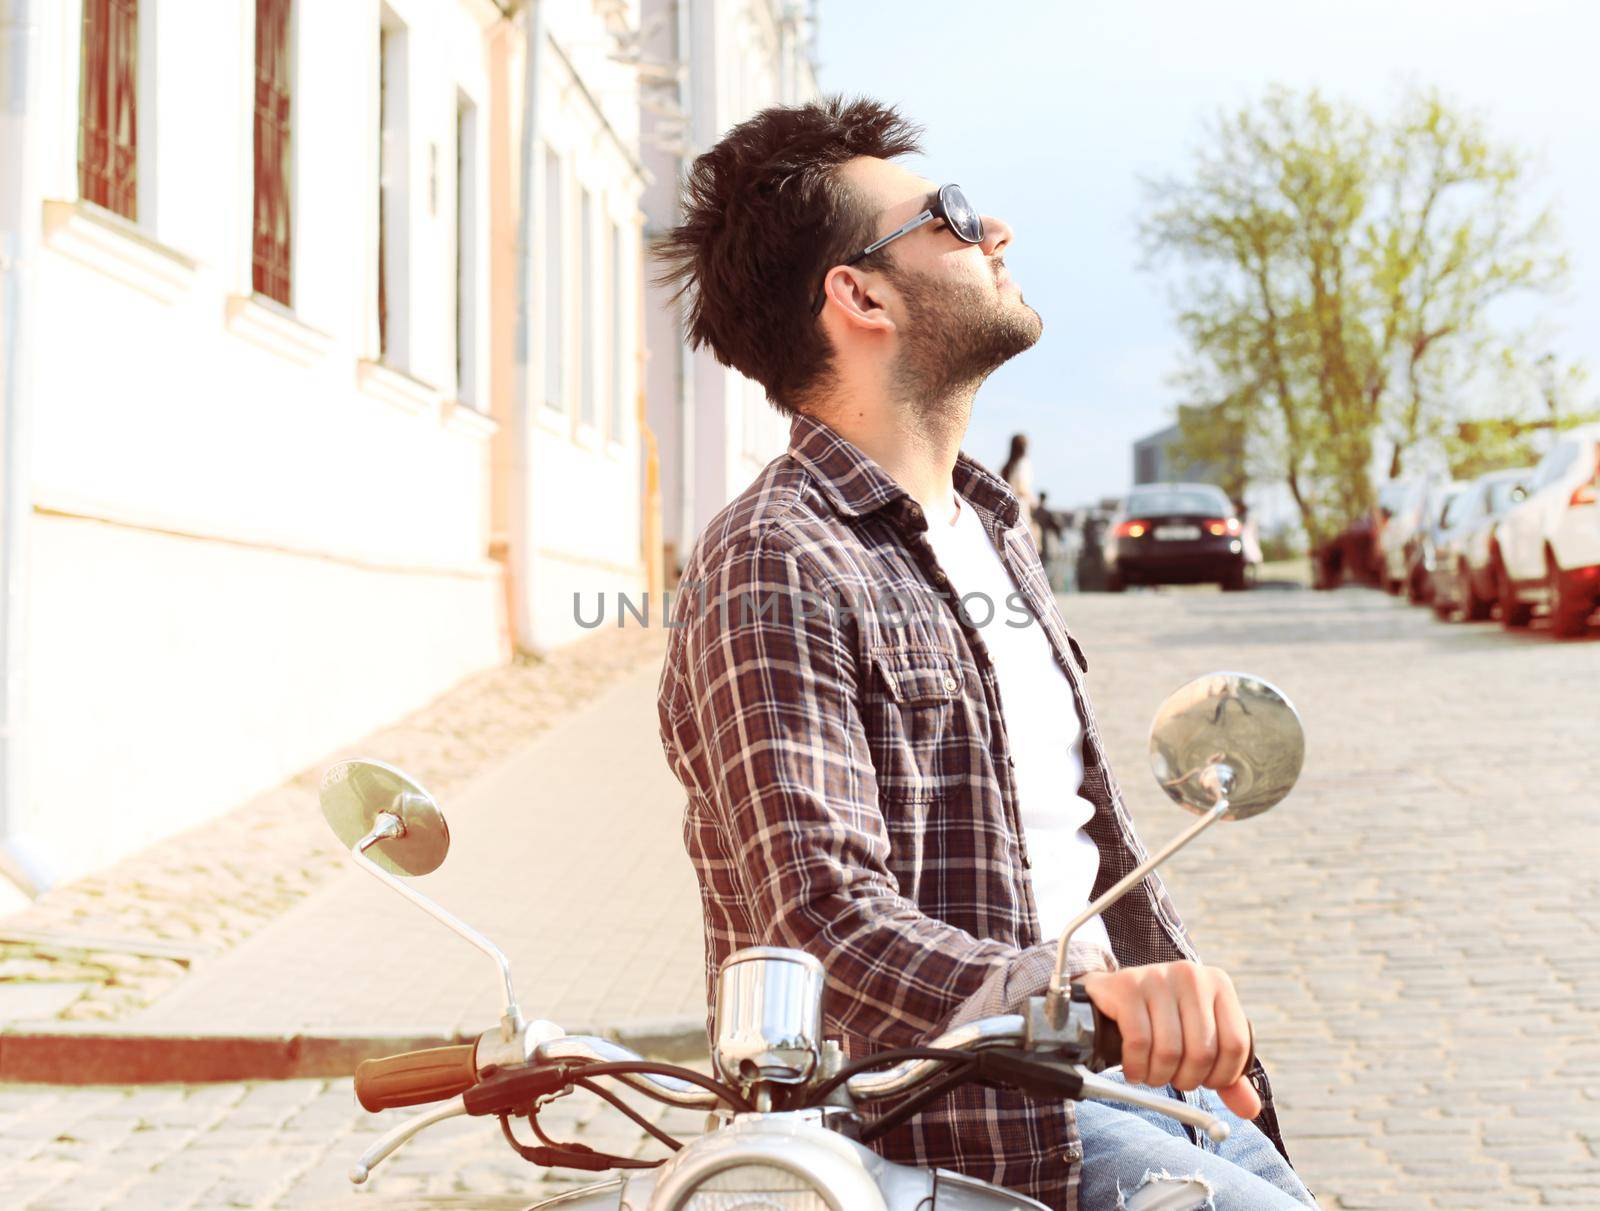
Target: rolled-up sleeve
776	741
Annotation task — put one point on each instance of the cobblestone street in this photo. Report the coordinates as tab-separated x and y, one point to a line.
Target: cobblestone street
1415	932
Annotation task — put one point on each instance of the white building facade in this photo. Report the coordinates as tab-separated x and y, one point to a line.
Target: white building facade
252	365
713	427
322	367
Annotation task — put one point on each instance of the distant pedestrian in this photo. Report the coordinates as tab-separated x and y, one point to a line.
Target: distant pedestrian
1047	527
1249	534
1018	474
1055	547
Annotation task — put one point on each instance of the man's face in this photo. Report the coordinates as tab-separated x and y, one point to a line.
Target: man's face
958	312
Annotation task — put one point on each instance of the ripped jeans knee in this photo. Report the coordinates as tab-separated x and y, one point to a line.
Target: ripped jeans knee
1140	1161
1163	1191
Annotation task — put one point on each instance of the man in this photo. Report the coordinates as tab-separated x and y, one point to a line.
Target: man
877	773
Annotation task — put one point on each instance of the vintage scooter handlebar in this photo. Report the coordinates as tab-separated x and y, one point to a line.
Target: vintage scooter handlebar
435	1074
439	1073
380	1083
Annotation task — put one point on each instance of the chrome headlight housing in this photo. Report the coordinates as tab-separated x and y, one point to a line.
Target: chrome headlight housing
777	1162
757	1187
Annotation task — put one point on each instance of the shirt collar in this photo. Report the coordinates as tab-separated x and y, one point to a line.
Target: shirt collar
856	485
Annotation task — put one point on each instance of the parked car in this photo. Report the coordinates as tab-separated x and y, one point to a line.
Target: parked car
1422	549
1400	515
1351	554
1547	547
1463	574
1177	534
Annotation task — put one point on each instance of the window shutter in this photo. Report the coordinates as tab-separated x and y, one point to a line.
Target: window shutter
108	144
273	152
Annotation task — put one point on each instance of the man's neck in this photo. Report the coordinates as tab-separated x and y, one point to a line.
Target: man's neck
917	446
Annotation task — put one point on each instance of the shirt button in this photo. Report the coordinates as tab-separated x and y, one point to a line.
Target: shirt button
950	684
914	510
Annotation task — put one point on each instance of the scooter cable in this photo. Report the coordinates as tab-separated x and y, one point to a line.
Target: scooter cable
606	1095
919	1101
568	1156
880	1059
649	1068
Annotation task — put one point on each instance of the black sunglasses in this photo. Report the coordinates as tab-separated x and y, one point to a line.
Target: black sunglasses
949	206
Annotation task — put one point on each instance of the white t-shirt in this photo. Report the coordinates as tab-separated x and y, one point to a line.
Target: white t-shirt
1041	720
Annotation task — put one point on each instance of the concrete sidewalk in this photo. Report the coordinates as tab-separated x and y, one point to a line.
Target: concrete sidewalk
569	856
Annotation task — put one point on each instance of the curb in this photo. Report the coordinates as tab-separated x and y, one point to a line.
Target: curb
58	1054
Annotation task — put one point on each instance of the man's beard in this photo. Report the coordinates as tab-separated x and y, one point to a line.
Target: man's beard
958	335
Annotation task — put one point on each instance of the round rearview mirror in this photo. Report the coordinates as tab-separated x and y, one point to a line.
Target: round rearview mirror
1231	734
355	793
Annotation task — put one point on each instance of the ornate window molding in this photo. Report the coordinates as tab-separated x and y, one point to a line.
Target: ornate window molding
399	389
272	326
107	242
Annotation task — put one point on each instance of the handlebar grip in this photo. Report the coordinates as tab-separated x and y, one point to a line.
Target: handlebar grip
415	1077
1108	1043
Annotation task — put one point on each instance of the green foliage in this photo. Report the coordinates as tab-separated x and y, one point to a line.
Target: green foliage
1528	401
1337	274
1277	548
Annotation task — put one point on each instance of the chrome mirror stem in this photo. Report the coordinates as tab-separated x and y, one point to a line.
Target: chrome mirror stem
1056	1001
387	825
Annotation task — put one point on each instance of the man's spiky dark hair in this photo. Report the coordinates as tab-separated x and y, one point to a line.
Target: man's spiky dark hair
765	214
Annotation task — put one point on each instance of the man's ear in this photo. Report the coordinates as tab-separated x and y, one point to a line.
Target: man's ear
858	304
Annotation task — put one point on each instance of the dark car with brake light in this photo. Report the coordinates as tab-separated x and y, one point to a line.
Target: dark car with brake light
1176	534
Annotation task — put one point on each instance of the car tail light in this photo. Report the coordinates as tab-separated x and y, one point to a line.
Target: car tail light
1589	493
1220	526
1133	528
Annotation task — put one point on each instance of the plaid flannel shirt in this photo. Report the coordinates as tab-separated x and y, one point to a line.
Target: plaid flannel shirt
835	721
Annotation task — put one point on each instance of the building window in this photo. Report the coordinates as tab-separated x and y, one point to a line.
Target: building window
108	128
619	308
554	312
394	223
588	411
466	250
274	152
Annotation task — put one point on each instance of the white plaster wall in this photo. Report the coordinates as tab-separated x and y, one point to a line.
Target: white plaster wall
177	422
175	678
240	562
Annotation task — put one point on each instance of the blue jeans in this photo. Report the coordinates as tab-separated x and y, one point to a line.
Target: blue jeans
1124	1145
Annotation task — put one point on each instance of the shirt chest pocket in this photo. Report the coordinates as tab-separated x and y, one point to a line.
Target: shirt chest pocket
915	716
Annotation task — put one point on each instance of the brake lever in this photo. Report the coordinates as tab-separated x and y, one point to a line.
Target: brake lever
1034	1076
393	1139
1114	1091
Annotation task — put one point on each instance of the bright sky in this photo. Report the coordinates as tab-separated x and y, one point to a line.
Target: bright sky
1047	112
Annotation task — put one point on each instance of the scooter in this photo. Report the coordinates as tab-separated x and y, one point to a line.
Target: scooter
788	1128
